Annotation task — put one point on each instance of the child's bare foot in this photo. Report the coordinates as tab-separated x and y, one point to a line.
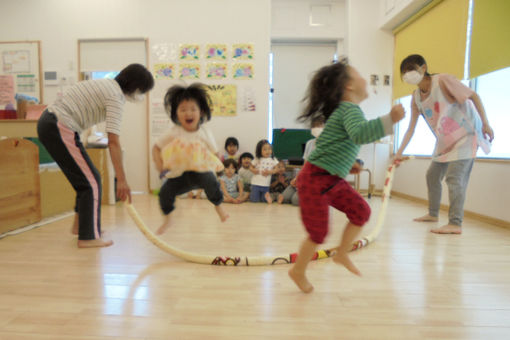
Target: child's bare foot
301	281
221	213
98	242
268	198
280	199
167	224
447	229
191	195
345	261
426	218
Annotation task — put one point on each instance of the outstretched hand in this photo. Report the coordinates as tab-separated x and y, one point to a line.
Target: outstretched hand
397	113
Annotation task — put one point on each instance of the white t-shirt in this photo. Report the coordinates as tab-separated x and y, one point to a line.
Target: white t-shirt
262	164
90	102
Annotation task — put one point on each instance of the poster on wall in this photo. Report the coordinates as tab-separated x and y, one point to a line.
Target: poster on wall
216	51
242	71
242	51
6	89
216	70
164	71
164	52
224	99
189	51
248	100
16	61
189	71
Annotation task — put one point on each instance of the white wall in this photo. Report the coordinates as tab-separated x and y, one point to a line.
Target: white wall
395	12
308	20
370	51
59	24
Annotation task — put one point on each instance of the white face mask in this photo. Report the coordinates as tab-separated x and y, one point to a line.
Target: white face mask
135	97
412	77
316	131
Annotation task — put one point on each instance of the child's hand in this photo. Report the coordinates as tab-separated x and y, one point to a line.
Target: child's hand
356	168
293	181
397	113
266	172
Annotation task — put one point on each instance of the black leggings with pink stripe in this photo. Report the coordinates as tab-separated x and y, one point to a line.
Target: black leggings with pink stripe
65	147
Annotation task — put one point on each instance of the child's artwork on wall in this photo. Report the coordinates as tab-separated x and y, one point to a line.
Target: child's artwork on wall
189	71
216	70
224	99
189	51
242	71
242	51
164	71
216	51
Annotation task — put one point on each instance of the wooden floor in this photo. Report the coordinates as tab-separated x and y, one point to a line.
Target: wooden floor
416	285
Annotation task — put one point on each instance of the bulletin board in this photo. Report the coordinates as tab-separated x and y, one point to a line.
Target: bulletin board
20	71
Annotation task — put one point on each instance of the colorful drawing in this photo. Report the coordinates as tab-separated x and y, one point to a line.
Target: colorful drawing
242	71
216	70
242	51
216	51
164	70
189	71
224	99
189	51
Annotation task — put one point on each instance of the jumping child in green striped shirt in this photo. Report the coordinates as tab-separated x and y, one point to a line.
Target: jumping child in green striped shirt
335	93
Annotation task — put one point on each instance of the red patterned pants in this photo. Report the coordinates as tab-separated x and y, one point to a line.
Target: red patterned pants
318	190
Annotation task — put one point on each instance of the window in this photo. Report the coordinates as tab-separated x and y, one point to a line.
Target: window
492	89
423	141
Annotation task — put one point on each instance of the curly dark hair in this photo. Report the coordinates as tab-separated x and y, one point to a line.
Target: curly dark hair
196	92
325	91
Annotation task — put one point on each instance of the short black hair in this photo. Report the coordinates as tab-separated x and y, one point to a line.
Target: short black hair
410	62
135	77
246	155
231	141
258	148
196	92
230	161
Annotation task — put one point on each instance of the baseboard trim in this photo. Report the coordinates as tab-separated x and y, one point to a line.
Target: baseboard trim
467	213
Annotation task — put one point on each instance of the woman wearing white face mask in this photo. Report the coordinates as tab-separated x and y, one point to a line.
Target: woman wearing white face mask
83	105
456	116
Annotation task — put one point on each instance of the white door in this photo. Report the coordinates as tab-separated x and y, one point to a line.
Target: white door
114	55
293	67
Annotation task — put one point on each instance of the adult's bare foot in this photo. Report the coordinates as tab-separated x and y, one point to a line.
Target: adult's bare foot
99	242
447	229
301	281
426	218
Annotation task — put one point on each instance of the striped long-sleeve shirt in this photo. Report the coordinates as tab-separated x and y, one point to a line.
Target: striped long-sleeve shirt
346	129
90	102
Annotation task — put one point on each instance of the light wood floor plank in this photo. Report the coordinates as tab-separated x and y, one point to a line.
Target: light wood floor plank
415	285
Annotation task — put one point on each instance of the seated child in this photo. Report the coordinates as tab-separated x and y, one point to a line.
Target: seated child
279	182
244	170
231	148
231	184
290	194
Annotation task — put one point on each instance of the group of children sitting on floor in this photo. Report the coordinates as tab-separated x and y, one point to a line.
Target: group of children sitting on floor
259	178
